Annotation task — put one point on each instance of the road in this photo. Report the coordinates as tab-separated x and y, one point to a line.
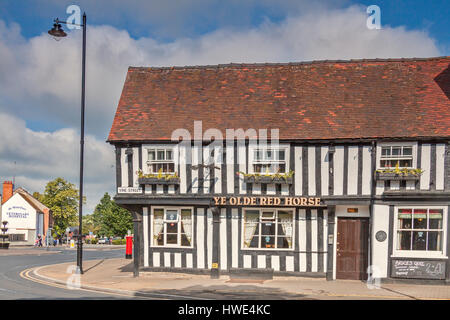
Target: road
14	287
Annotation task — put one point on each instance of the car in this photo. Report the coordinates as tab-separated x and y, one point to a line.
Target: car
103	240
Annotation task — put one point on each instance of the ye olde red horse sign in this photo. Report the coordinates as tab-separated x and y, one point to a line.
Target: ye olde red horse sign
267	201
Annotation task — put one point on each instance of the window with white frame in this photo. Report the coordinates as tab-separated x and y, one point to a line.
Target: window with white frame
269	160
393	155
172	227
268	229
420	229
160	159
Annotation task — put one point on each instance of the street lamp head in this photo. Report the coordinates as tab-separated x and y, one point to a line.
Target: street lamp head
57	32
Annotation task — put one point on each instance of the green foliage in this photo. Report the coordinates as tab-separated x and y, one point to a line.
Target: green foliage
159	175
111	219
92	241
37	195
403	171
89	224
277	175
119	241
61	197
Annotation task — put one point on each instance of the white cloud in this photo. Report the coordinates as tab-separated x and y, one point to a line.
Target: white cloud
42	77
40	80
44	156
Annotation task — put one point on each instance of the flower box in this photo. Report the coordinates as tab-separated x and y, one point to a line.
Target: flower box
268	180
159	181
397	176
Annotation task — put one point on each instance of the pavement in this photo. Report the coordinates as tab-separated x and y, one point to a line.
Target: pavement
31	250
19	251
115	276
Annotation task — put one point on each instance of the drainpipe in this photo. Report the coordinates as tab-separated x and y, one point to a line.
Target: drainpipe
215	273
372	199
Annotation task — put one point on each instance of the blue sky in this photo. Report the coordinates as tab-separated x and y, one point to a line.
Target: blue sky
36	16
40	78
167	21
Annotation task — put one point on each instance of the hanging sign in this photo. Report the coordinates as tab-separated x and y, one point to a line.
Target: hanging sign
267	201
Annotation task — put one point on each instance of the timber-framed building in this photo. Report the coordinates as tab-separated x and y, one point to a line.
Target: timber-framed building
357	185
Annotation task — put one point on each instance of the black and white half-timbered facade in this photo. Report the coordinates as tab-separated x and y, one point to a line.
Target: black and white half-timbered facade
336	169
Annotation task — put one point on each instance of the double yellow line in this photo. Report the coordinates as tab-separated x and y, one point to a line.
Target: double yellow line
25	274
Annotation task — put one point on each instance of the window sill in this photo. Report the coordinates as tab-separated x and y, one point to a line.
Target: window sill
170	247
266	249
419	254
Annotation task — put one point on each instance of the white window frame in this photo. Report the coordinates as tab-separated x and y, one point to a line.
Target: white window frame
254	147
412	144
165	245
146	162
420	253
261	209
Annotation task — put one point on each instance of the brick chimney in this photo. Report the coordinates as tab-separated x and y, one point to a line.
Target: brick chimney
7	191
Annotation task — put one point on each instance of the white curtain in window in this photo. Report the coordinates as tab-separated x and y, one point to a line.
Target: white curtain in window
251	223
186	223
286	225
158	226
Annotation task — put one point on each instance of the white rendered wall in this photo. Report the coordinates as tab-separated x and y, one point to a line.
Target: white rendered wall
380	222
21	216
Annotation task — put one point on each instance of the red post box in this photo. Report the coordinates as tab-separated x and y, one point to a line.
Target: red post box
129	247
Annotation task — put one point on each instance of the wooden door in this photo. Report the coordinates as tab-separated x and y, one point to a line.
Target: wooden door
352	248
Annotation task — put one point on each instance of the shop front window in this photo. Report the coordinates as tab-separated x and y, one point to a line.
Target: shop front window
172	227
268	229
420	229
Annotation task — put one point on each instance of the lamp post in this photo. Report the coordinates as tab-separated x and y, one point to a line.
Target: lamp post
57	32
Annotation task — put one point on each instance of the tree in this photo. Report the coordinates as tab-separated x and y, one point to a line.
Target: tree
61	197
37	195
89	224
111	219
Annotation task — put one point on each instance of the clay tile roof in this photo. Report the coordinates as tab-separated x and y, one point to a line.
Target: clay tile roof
377	98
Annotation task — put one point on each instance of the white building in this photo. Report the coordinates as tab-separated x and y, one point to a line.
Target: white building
27	217
354	181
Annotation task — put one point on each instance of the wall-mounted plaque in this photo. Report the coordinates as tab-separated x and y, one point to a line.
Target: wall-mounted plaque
380	236
418	269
